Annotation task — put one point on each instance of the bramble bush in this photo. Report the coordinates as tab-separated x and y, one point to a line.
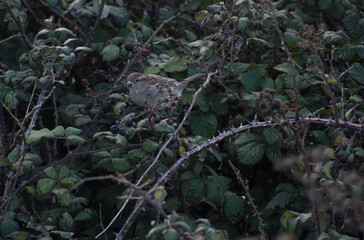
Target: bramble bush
268	144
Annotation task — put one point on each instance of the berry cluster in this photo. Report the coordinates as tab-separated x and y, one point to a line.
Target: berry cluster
114	129
115	71
129	47
88	106
84	82
106	107
144	52
129	123
99	74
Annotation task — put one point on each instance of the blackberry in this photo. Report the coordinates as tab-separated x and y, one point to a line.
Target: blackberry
88	106
84	82
129	47
106	107
99	74
157	120
144	52
115	71
114	129
129	123
276	104
122	132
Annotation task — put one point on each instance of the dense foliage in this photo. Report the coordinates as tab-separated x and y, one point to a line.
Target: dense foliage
267	144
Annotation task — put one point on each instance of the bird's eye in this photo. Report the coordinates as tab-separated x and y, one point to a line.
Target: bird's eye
137	80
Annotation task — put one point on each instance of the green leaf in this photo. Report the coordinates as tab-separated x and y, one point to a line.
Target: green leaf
63	234
176	64
58	131
74	140
11	100
69	181
281	200
72	131
64	197
64	30
234	207
65	172
152	70
121	164
83	215
251	80
357	72
8	226
270	135
83	49
51	172
150	146
110	53
203	123
273	153
251	153
171	234
239	67
4	90
320	136
242	22
335	38
45	185
37	135
360	50
284	67
247	138
351	23
164	128
66	222
215	191
292	38
195	190
324	4
217	104
346	52
82	121
18	235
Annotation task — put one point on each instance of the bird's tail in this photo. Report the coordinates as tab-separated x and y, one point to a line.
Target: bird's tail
189	79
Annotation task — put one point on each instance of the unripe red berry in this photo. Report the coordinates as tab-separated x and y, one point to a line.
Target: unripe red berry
144	52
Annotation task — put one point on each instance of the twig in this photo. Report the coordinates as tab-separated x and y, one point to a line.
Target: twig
289	56
263	235
8	38
97	21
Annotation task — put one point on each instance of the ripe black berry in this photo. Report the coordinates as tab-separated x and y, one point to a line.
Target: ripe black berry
114	129
106	107
115	71
122	132
129	47
84	82
276	104
263	106
144	52
99	74
157	120
129	123
88	106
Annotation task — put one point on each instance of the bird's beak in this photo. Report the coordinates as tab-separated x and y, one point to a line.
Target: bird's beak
129	84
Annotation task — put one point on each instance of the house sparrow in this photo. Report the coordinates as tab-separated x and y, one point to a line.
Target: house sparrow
153	90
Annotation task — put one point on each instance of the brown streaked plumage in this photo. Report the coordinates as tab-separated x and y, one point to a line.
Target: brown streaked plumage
153	90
